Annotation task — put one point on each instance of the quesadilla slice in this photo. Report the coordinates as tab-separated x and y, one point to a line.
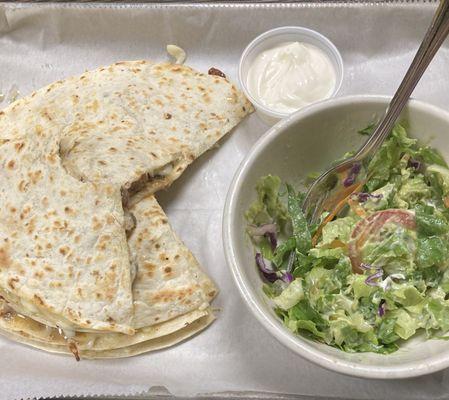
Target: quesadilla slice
38	337
76	156
170	293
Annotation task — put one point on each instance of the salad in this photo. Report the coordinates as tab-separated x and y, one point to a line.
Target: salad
375	275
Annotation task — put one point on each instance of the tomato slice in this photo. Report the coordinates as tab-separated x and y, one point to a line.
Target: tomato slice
370	227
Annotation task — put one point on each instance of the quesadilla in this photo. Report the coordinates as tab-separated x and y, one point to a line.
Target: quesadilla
84	246
170	293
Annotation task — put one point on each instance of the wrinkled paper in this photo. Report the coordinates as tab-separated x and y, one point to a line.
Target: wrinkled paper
43	43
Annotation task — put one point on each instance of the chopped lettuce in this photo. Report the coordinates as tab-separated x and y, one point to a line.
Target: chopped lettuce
268	207
291	295
404	285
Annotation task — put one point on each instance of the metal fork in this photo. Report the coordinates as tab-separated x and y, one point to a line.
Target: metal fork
329	191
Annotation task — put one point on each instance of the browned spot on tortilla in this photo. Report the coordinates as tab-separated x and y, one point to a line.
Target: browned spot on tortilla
10	164
5	260
113	150
12	281
38	275
163	257
13	209
19	146
52	157
95	105
30	226
149	266
167	116
96	224
64	250
23	186
35	176
38	300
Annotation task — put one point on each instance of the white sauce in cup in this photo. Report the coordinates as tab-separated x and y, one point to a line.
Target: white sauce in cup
291	76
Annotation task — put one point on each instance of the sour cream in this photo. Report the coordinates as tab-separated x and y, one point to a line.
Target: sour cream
290	76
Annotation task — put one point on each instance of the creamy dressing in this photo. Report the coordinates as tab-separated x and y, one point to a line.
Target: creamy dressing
290	76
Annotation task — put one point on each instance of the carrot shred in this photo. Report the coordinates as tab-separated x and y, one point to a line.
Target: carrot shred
446	201
341	203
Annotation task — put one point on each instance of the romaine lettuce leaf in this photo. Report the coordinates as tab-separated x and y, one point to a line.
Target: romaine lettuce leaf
429	221
268	206
299	223
431	251
291	295
339	229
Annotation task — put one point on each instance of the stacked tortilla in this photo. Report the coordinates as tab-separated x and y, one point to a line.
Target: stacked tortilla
88	261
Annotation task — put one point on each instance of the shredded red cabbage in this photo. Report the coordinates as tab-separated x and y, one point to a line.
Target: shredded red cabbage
352	175
267	230
415	164
365	267
261	230
268	273
372	279
382	308
287	277
362	197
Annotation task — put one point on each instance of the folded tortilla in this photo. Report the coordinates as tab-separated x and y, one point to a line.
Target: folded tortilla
170	293
78	158
167	334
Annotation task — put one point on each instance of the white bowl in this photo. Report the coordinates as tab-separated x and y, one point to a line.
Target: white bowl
308	141
273	38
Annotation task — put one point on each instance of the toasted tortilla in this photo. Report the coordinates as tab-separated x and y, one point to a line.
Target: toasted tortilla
170	291
169	280
154	342
75	157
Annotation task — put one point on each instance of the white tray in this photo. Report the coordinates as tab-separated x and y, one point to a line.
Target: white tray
42	43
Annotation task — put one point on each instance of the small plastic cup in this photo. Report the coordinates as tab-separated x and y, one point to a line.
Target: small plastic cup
273	38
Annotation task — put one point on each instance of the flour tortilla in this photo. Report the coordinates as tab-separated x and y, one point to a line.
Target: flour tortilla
170	292
73	155
158	342
169	280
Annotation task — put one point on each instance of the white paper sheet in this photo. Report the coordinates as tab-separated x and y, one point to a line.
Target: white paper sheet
40	44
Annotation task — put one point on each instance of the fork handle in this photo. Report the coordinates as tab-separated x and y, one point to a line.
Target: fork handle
435	36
